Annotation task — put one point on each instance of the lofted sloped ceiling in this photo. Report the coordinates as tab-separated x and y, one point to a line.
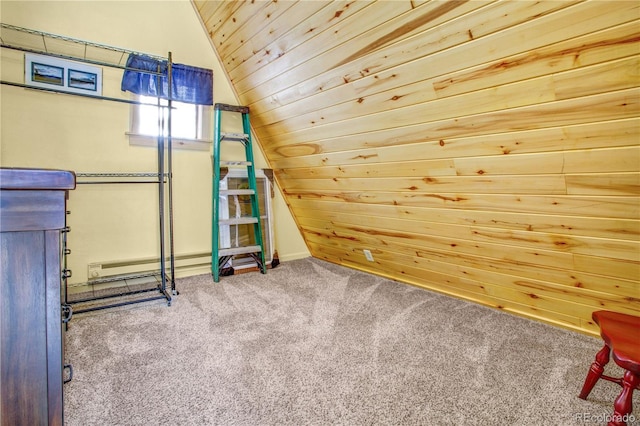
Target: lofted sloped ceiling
484	149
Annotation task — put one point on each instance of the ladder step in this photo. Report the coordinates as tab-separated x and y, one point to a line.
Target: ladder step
238	220
239	250
235	163
237	137
237	192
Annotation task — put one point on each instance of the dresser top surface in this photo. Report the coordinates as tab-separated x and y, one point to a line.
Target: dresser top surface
36	179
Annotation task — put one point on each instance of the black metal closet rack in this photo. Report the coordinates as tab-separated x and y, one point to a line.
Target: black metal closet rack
38	42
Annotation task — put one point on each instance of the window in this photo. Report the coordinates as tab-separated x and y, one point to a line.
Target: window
148	79
191	125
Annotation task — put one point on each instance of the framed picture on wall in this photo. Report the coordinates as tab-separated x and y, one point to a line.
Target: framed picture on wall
82	80
49	72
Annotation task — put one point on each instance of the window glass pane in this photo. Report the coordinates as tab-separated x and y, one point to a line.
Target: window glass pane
147	117
184	118
183	121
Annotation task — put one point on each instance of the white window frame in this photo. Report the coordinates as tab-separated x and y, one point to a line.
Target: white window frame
203	123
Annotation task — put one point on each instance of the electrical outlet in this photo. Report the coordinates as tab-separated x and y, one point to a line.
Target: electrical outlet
368	255
94	270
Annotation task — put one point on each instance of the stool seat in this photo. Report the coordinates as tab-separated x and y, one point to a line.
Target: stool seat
621	335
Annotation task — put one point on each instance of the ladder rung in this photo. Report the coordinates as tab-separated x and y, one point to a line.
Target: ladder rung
237	192
238	220
238	137
235	163
239	250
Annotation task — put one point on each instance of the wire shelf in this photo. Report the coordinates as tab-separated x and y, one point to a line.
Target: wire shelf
33	41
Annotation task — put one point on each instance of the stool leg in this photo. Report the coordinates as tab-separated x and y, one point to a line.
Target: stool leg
623	405
596	370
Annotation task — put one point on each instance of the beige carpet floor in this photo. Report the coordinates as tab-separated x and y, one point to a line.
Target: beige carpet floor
313	343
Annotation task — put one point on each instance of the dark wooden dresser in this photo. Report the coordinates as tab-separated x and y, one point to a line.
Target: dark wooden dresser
32	215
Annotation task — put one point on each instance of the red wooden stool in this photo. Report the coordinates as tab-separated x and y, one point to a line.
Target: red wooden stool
621	335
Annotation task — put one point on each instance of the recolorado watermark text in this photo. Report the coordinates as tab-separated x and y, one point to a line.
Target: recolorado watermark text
604	418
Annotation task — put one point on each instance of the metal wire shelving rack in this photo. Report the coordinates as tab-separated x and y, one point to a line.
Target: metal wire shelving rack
68	48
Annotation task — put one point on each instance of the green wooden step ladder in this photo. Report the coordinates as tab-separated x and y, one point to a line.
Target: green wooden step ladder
221	256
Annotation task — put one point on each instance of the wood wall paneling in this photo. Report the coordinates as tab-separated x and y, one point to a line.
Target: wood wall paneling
489	150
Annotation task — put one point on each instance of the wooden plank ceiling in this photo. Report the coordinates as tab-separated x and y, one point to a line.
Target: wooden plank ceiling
484	149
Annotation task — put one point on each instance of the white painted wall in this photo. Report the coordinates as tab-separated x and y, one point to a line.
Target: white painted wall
42	130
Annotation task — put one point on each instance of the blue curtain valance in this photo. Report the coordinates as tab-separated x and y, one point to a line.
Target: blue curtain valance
190	84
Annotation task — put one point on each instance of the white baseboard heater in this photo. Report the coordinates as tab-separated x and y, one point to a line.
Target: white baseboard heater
109	270
100	270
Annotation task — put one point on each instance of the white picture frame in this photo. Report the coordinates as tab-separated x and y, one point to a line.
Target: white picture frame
63	75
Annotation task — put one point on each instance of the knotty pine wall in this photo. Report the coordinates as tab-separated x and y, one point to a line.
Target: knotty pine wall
488	150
